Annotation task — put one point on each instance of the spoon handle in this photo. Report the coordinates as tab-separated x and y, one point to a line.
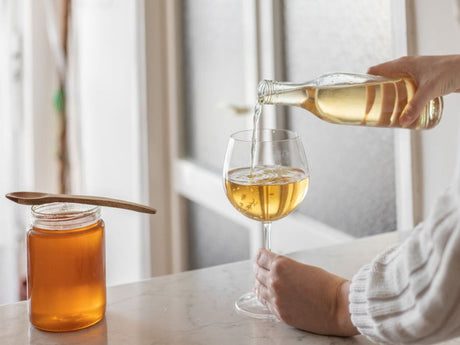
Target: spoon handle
92	200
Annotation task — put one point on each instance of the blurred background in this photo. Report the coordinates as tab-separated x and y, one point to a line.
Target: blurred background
136	100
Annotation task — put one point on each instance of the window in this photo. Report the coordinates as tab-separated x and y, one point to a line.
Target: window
216	54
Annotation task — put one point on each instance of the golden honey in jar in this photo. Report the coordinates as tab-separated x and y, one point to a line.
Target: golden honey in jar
66	267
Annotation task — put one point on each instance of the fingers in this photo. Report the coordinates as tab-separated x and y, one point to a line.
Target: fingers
386	69
262	275
406	66
265	297
262	292
415	107
263	284
394	68
265	258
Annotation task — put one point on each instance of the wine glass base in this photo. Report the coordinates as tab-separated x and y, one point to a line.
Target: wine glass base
249	305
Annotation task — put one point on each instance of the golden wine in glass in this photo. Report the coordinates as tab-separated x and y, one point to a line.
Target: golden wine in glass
266	187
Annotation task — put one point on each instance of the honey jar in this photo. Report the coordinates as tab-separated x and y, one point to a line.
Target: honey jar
66	267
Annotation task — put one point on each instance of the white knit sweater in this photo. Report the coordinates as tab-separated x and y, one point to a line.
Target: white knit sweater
410	294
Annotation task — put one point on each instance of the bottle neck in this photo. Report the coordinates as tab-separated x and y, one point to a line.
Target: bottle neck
275	92
266	91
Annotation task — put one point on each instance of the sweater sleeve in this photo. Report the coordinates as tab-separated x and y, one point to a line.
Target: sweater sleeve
410	294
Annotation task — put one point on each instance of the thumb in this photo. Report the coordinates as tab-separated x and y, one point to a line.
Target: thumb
415	107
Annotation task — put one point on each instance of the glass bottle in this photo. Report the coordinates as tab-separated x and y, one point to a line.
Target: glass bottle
66	267
353	99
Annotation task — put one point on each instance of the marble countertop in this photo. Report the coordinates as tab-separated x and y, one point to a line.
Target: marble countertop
195	307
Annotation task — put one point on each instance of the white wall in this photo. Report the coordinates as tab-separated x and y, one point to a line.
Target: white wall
110	119
437	31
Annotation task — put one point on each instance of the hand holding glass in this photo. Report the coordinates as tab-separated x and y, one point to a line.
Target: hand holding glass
265	188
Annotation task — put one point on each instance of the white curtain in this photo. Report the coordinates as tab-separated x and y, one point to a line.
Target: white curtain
12	220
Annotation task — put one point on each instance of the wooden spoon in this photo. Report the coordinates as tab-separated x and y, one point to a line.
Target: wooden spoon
36	198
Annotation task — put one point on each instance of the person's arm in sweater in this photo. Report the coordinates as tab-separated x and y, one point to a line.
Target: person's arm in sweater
411	294
408	294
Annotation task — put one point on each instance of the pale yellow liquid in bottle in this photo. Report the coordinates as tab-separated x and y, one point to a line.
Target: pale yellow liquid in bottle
377	104
266	193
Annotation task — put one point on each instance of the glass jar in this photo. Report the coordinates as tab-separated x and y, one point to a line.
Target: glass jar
66	267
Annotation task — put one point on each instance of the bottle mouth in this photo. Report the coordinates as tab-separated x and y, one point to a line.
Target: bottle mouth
265	91
64	216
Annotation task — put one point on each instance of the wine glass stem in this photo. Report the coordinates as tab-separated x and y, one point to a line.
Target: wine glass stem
267	238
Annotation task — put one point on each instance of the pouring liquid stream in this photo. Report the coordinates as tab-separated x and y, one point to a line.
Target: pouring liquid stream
255	134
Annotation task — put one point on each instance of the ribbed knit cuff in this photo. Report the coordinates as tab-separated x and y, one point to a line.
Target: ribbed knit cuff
359	308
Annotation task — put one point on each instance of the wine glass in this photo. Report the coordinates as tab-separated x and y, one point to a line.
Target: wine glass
264	184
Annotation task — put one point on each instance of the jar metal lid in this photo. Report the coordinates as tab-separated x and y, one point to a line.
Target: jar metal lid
64	216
